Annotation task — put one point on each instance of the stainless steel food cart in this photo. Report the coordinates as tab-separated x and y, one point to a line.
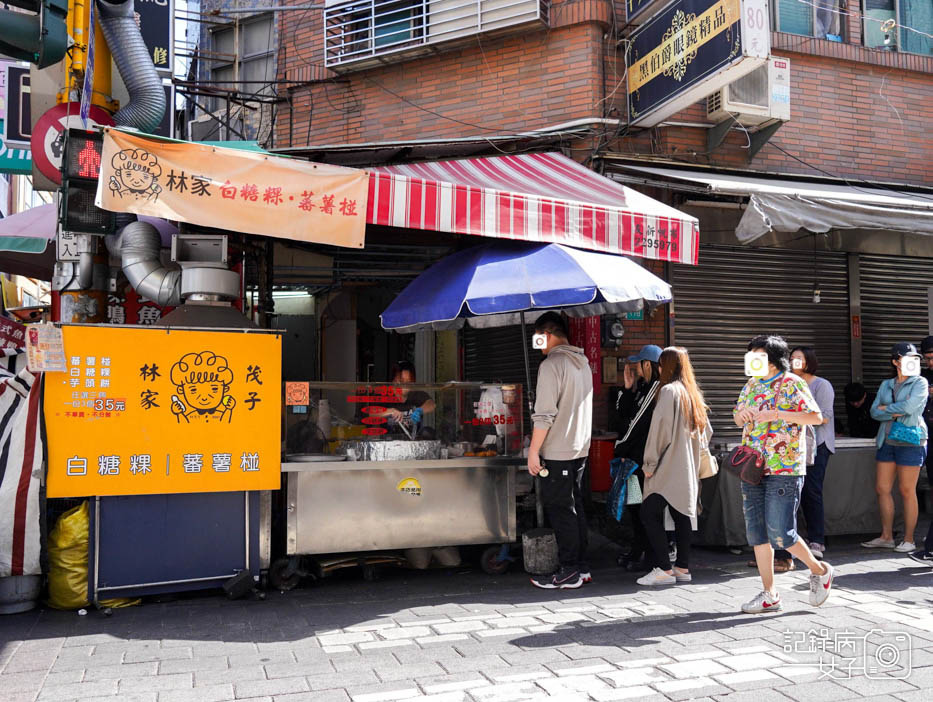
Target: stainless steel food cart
430	490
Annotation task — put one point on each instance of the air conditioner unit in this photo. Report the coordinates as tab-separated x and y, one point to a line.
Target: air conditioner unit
761	97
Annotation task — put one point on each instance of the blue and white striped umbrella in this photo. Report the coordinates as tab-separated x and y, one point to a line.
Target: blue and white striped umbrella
492	284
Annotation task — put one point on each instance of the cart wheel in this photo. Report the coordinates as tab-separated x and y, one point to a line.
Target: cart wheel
277	577
490	562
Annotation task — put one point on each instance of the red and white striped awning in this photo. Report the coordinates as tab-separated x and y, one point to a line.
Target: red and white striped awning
538	197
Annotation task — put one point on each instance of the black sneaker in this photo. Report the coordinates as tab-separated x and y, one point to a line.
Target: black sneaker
561	580
922	556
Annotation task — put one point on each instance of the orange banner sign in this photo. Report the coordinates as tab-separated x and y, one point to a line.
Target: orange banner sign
149	410
242	191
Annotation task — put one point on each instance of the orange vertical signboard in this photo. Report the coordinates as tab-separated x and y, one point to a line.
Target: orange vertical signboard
155	411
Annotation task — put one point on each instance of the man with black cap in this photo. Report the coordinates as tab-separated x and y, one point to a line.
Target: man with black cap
925	555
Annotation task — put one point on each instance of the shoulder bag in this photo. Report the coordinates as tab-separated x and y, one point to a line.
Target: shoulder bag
708	464
746	462
901	432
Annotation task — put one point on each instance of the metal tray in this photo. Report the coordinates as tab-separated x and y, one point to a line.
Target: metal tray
312	458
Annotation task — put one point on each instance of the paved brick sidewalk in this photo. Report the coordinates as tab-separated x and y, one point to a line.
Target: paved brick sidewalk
465	636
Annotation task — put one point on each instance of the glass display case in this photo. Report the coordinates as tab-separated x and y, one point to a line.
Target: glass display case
372	467
384	422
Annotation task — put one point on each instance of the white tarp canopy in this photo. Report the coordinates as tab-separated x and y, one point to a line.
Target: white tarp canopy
784	205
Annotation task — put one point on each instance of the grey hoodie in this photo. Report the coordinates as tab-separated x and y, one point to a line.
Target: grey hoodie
564	403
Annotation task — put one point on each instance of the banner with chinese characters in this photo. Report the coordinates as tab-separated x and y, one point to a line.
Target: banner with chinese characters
241	191
12	334
688	50
586	333
156	411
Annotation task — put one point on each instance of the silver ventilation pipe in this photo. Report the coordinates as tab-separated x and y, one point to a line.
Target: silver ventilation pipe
146	105
140	246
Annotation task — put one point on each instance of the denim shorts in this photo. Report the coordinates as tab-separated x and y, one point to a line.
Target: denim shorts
771	510
901	455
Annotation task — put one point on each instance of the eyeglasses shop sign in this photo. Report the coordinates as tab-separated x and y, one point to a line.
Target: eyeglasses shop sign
691	49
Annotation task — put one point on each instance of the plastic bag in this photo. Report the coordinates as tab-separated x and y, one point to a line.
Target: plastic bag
68	549
68	559
620	470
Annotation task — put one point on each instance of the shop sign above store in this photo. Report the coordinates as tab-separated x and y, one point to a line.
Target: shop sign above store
691	49
152	411
12	334
155	24
241	191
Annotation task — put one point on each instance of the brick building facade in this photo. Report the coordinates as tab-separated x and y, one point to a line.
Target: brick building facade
857	113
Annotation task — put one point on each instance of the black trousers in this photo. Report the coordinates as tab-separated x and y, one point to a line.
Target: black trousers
639	546
928	541
562	497
652	515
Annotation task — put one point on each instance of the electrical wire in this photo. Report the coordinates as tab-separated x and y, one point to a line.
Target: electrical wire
871	190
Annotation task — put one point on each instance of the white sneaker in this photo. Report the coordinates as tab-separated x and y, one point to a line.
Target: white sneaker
586	577
878	543
682	576
906	547
764	601
817	550
820	585
656	577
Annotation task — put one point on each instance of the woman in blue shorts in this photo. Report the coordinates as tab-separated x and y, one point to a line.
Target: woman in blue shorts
901	441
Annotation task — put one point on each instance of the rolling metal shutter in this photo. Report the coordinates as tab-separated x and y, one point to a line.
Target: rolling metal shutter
894	298
735	294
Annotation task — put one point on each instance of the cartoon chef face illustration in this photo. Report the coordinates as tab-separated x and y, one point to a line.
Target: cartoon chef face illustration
136	175
202	381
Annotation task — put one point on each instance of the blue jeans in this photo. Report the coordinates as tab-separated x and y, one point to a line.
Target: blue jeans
770	510
812	498
901	455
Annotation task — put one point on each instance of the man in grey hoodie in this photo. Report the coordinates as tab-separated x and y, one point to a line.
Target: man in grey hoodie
560	442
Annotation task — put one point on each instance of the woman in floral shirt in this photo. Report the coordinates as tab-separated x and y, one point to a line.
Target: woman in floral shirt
773	411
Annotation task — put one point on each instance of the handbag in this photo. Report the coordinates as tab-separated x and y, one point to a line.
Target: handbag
708	464
633	494
901	432
747	463
909	435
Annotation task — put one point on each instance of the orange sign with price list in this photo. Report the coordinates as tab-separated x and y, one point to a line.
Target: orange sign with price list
143	410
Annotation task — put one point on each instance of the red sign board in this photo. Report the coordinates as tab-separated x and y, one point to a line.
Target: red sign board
587	334
12	334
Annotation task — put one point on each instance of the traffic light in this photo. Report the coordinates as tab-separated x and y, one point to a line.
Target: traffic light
80	171
39	36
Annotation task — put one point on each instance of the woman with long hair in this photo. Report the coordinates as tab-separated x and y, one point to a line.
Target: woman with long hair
679	428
